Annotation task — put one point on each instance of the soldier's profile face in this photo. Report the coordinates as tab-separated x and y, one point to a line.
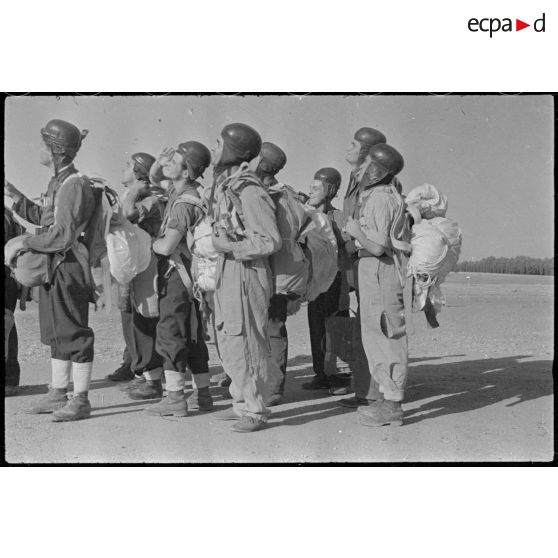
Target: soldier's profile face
353	152
216	152
173	168
317	193
45	155
128	172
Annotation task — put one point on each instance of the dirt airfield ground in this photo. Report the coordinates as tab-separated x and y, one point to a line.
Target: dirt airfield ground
480	389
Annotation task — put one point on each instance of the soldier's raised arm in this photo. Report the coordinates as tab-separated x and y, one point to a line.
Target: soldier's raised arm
22	205
156	175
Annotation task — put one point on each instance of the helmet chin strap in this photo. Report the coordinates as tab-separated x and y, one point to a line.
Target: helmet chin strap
193	175
221	167
54	161
56	158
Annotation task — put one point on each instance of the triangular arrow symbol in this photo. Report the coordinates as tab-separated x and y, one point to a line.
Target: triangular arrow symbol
519	25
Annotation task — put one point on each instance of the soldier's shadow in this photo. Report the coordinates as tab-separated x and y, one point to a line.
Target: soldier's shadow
465	386
448	388
306	414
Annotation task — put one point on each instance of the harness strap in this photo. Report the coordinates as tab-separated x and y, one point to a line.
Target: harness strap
29	227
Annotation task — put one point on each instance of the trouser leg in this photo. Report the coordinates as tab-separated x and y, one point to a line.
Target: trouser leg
64	313
12	371
316	325
198	357
173	332
125	307
241	318
248	388
279	342
383	325
126	357
143	343
12	364
127	327
364	384
321	308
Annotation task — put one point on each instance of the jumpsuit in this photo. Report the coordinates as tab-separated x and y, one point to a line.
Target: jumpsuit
244	288
364	384
382	311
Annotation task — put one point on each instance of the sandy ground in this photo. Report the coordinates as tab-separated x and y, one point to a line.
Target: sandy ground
480	389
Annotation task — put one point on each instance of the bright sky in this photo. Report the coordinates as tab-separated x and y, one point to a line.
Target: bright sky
491	155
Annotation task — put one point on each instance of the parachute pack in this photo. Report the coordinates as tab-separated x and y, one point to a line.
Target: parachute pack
320	247
425	245
306	264
204	260
290	265
127	247
435	246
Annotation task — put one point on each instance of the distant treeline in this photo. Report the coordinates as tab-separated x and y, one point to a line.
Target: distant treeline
521	265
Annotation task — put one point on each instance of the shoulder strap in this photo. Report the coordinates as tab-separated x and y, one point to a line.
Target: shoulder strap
183	198
29	227
189	198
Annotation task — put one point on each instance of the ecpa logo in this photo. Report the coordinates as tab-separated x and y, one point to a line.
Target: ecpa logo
492	25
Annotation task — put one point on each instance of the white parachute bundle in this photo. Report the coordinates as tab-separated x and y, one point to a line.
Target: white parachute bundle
128	247
321	250
128	251
204	262
436	245
428	201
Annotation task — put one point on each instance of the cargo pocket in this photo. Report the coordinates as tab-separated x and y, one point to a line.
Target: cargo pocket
230	318
393	324
392	318
228	301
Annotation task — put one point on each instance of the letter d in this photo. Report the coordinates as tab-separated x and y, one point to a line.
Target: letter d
536	24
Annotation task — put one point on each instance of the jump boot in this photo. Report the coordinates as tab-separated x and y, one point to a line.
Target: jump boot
248	423
223	380
200	400
122	374
383	414
77	408
132	384
55	399
149	389
275	399
174	404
